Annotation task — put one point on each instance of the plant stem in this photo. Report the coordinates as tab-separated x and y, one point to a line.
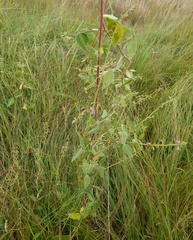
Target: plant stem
99	60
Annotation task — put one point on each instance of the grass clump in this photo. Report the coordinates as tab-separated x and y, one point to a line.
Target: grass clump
44	104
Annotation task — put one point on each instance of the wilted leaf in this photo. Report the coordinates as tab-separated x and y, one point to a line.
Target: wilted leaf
119	31
111	26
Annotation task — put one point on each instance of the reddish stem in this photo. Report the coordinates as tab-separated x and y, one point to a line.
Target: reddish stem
99	59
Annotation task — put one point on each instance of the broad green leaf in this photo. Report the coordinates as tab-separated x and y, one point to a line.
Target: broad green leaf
82	40
86	181
91	121
10	102
105	113
36	235
94	130
91	37
127	150
76	154
131	48
91	79
100	170
74	216
87	168
123	134
127	33
108	77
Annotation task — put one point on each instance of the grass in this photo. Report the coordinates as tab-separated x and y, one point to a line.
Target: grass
150	195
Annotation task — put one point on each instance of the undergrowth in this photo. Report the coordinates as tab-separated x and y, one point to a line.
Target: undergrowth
44	103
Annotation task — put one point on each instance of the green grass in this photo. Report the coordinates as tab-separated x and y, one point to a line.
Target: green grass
150	195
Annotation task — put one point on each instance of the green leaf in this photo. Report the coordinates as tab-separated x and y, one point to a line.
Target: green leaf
76	154
37	234
115	40
127	150
108	77
91	38
94	130
82	40
131	48
100	170
105	113
74	216
91	121
86	181
80	140
87	168
124	133
91	79
127	33
10	102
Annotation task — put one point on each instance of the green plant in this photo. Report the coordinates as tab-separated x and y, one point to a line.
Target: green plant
104	133
48	91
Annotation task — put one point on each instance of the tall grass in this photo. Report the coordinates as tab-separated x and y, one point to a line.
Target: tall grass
42	96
